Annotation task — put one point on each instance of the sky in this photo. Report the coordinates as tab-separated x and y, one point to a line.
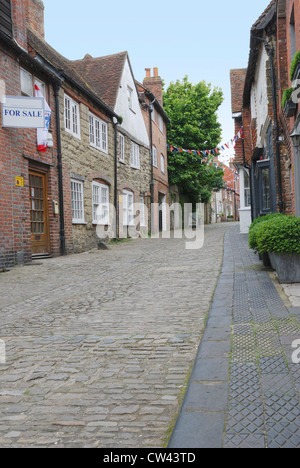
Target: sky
201	39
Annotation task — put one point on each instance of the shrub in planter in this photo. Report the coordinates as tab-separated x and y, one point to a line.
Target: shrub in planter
294	64
257	227
280	237
287	94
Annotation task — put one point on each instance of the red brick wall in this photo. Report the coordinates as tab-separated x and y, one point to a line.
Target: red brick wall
18	150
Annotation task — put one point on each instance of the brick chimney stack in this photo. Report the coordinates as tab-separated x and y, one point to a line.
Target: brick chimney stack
154	84
35	16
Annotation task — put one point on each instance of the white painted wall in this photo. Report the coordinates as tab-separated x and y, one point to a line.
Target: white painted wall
259	97
133	121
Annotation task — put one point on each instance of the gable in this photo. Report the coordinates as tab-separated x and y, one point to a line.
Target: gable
6	18
133	120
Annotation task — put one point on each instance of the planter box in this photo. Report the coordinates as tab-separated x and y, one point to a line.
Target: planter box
290	108
287	267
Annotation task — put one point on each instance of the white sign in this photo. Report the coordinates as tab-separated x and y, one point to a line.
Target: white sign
23	112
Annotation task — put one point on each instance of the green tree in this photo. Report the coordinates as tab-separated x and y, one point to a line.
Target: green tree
192	110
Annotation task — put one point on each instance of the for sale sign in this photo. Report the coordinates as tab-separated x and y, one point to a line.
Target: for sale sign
23	112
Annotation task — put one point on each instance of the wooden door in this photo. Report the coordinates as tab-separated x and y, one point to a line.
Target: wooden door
39	213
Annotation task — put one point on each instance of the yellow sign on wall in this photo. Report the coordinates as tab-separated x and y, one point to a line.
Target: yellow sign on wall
19	181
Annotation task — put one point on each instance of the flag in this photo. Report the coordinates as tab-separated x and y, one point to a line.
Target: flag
42	133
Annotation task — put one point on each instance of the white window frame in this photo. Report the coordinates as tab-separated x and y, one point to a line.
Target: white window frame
142	212
72	116
100	198
121	148
130	97
77	197
163	163
135	156
154	153
98	130
128	208
25	74
161	123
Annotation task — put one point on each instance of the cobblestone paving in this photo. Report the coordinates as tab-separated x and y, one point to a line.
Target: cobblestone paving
99	345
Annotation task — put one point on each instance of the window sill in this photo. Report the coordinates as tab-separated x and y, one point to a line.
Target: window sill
136	168
122	162
79	223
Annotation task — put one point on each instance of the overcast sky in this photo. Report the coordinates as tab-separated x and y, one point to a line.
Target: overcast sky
198	38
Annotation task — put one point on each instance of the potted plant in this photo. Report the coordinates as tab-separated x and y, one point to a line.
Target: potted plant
288	104
256	228
280	238
295	67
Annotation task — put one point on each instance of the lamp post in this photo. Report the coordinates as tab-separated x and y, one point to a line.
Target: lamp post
295	137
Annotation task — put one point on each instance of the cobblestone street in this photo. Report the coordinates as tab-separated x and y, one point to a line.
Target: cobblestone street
99	345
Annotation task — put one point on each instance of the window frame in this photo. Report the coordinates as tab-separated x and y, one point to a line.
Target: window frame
102	203
72	106
96	133
127	220
135	161
121	148
163	163
154	157
80	184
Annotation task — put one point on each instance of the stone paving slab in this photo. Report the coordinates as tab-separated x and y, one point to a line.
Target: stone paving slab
251	367
99	345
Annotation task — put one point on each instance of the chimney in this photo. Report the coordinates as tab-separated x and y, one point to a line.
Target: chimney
35	16
154	84
19	22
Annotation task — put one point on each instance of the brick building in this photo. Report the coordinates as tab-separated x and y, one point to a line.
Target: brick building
156	122
264	157
98	158
28	222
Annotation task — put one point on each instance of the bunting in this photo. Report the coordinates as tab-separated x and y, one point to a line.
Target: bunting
209	155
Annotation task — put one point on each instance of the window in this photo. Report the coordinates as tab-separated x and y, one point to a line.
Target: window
128	208
77	201
162	163
266	197
247	190
130	97
72	119
98	133
153	114
100	204
121	148
142	211
41	86
26	83
135	156
154	151
161	123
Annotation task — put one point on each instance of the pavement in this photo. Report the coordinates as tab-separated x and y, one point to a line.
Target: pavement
245	384
99	346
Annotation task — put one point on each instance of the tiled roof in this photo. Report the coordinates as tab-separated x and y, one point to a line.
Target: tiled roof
103	74
237	80
64	66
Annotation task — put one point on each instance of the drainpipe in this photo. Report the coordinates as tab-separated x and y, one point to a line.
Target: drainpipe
60	172
116	123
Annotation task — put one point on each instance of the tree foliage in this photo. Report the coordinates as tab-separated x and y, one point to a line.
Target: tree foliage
192	110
